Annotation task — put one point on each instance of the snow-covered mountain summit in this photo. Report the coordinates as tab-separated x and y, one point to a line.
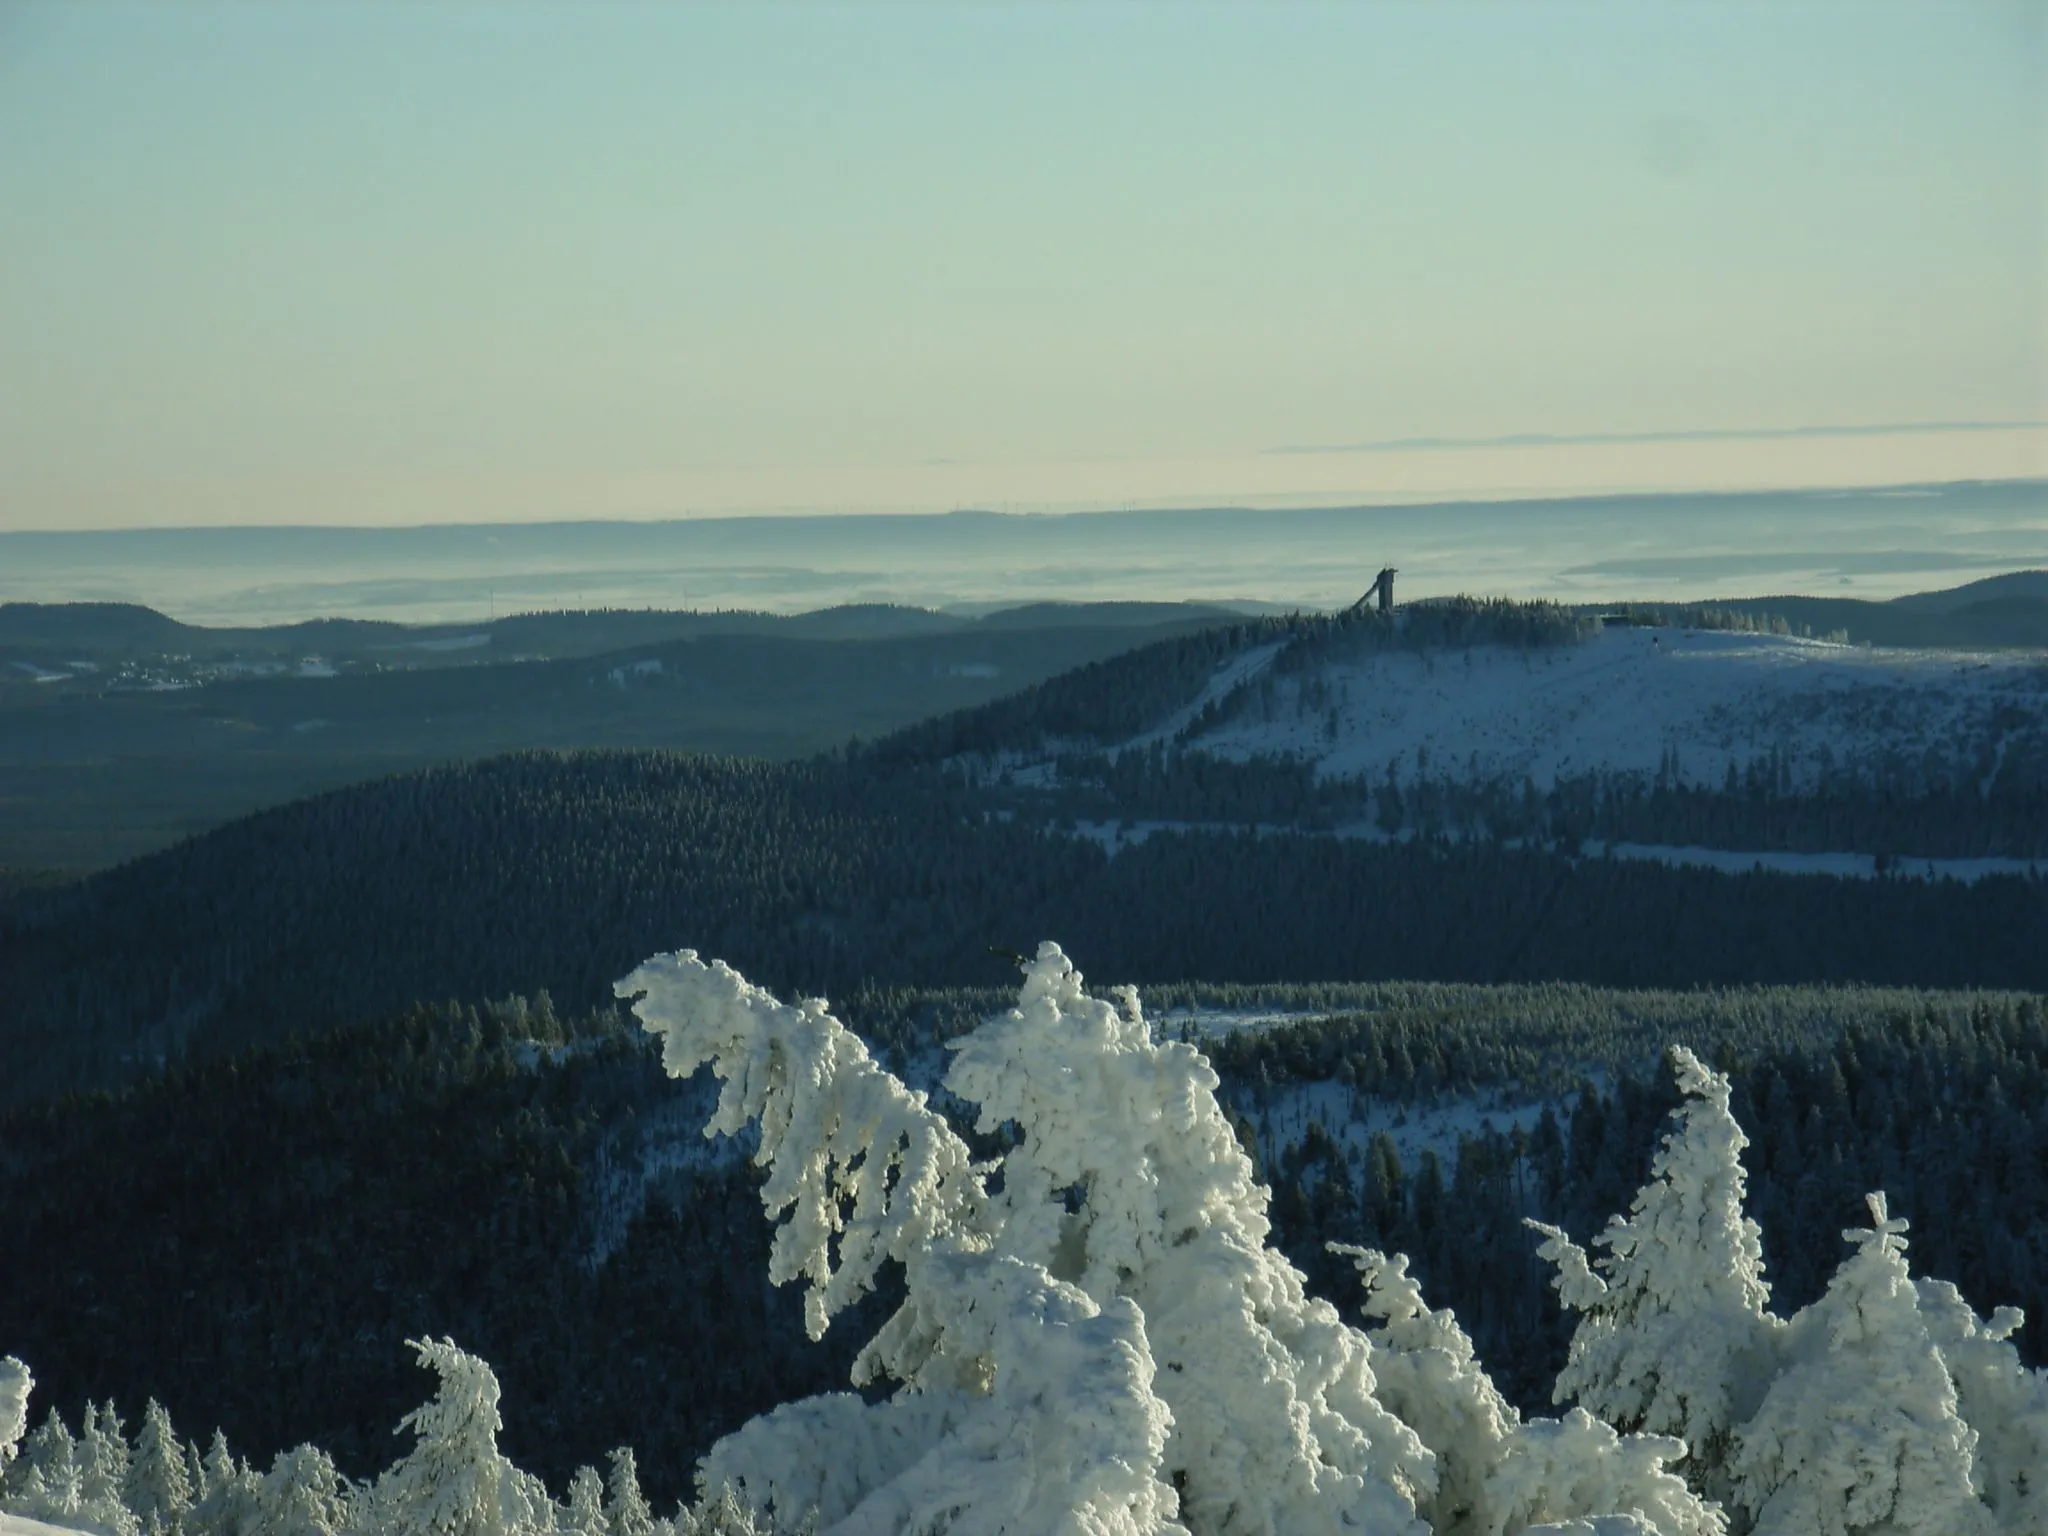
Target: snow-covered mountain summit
1691	703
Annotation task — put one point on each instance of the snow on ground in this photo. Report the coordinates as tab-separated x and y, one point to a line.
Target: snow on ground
1852	866
1352	1119
1625	697
21	1525
1114	836
1241	668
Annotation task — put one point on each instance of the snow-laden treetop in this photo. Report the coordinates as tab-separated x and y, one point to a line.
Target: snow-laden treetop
1110	1270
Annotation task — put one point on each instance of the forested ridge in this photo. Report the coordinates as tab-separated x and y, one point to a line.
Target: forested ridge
554	871
1942	1101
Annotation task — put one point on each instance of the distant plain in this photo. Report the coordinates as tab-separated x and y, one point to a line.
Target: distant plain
1861	543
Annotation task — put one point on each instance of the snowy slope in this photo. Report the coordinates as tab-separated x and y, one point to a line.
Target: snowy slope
21	1525
1626	697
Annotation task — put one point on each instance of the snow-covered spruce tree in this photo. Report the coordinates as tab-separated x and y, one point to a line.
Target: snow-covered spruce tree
44	1485
224	1497
626	1510
1674	1337
302	1495
15	1385
867	1172
2001	1399
455	1482
721	1514
1860	1432
582	1512
1496	1474
104	1457
159	1486
1430	1377
1118	1284
1276	1422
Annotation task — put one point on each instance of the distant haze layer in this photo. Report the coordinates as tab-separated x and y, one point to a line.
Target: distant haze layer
1862	543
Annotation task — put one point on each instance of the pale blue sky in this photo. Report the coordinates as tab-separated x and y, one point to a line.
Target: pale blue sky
443	263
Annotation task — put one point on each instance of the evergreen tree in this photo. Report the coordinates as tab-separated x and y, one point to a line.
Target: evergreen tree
626	1509
582	1512
1429	1376
722	1515
302	1495
50	1487
455	1482
1673	1335
15	1385
159	1486
103	1464
226	1502
2001	1399
1860	1434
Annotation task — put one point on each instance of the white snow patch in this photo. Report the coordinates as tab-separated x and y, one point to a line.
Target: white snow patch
1848	866
1353	1118
1240	669
1624	699
1115	836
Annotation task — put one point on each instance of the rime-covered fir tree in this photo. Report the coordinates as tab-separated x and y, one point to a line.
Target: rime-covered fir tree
15	1385
1495	1473
582	1512
46	1484
2000	1398
225	1492
302	1495
159	1487
1018	1391
1430	1377
1860	1434
1104	1343
1674	1336
455	1482
103	1460
626	1510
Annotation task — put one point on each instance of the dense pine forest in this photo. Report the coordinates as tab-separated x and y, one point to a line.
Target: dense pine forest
555	872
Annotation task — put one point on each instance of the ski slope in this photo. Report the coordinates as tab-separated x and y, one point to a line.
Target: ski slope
1628	699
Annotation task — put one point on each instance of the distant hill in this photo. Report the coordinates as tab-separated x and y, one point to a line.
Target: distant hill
2007	612
2026	585
121	730
1462	690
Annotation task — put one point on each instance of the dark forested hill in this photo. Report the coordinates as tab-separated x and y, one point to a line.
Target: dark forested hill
173	729
561	871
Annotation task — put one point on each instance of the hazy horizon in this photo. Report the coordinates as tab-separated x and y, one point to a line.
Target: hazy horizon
1871	543
390	265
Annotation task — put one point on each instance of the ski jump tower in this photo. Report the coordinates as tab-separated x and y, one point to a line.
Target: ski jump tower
1383	586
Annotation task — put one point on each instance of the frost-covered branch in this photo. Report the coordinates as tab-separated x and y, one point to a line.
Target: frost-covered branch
865	1170
1049	1424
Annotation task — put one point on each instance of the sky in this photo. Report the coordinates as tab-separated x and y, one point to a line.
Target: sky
392	264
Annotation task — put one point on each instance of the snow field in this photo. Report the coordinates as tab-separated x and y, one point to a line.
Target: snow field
1621	700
